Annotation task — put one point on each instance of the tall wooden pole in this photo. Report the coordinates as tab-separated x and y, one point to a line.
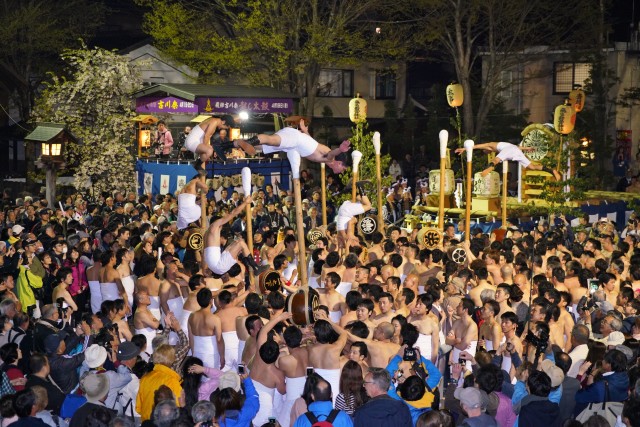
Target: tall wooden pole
468	146
505	170
246	186
203	224
323	193
376	147
294	160
444	137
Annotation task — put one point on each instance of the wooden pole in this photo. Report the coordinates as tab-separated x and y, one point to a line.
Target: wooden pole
203	225
505	170
355	156
246	186
323	193
376	146
444	137
294	160
468	146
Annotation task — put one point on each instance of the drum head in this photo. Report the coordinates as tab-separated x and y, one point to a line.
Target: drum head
270	281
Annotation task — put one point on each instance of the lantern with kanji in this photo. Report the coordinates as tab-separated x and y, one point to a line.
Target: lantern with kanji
577	98
564	118
358	109
455	95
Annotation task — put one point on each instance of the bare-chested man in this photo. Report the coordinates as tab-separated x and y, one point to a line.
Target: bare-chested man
490	331
364	312
189	210
464	334
264	374
331	298
205	332
324	355
381	348
480	275
429	340
93	278
513	344
503	298
385	302
253	323
293	362
290	138
411	282
228	313
148	283
65	279
144	322
110	283
198	139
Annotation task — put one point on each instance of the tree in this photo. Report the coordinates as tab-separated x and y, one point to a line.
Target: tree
94	100
496	32
33	33
277	43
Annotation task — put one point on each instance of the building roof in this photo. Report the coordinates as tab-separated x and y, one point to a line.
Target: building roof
191	91
47	131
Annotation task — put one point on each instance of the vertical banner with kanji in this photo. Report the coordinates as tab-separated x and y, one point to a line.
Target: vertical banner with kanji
148	183
180	183
164	184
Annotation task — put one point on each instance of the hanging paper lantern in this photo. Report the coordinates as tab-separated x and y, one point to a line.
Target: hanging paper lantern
455	95
577	98
486	186
357	109
564	118
434	182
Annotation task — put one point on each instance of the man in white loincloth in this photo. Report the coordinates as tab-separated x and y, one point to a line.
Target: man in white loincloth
290	138
221	261
188	208
510	152
198	139
346	213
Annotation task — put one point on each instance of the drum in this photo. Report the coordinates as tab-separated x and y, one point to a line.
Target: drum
434	182
226	181
486	186
269	281
236	180
216	182
457	254
302	304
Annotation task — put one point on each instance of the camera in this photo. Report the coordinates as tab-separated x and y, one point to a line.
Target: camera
586	304
410	354
541	342
240	369
309	370
63	307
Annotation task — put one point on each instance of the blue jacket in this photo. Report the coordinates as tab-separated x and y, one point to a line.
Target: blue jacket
244	416
322	410
382	411
618	391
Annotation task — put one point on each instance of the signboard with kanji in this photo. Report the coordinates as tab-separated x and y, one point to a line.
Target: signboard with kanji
168	104
250	105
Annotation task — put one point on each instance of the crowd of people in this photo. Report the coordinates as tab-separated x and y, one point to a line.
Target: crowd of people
110	318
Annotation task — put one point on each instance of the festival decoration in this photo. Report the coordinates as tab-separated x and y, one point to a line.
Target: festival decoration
455	95
358	109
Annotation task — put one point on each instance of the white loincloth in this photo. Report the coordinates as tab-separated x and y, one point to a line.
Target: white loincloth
150	333
195	138
231	344
343	288
109	291
129	285
295	387
289	270
313	282
154	306
265	397
455	354
96	295
206	349
488	344
188	210
293	139
332	376
335	316
420	290
241	344
425	345
184	321
175	306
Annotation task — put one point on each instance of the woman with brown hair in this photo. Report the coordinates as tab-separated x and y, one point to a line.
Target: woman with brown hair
352	394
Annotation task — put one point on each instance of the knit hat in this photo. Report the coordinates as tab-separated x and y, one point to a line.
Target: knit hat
95	386
555	373
229	379
469	396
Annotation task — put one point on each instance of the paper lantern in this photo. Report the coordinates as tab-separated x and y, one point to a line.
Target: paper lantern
455	95
434	182
577	98
564	118
357	109
486	186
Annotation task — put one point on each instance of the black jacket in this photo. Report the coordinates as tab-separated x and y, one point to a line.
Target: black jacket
79	419
64	370
56	397
383	411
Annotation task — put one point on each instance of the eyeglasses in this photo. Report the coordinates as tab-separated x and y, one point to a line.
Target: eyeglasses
368	382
